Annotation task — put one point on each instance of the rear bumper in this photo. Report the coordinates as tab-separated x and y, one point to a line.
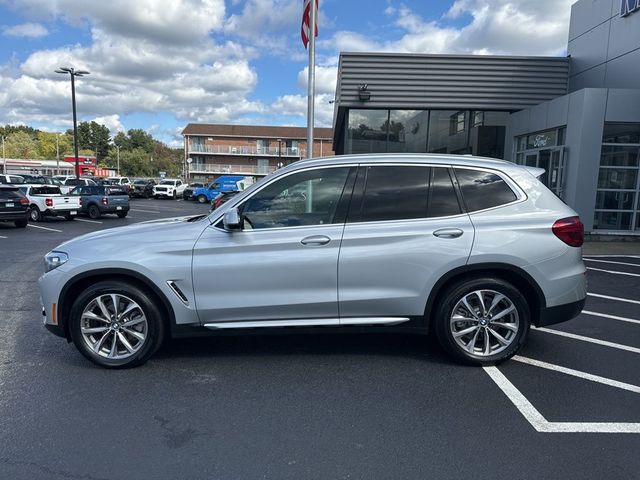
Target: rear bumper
560	313
13	216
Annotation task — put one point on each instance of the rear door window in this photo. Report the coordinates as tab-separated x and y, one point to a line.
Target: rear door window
404	192
482	190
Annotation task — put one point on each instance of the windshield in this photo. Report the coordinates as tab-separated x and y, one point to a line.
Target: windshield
167	182
140	182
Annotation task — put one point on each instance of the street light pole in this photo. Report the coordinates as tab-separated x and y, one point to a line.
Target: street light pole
73	73
118	157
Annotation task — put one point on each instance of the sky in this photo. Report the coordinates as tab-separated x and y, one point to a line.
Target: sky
160	64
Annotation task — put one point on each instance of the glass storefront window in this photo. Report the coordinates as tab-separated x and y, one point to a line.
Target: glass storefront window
367	131
433	131
612	220
621	133
620	156
619	179
408	131
544	150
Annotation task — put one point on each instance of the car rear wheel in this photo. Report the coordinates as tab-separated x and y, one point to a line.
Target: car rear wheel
482	321
34	214
69	217
94	212
21	223
202	198
116	324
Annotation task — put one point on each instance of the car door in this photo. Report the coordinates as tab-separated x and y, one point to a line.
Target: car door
405	229
282	265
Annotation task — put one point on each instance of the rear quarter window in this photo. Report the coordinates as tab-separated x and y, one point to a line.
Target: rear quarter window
45	191
482	190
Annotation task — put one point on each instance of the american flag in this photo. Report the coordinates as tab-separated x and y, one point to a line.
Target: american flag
306	20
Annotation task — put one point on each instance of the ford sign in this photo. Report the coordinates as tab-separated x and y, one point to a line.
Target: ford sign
627	7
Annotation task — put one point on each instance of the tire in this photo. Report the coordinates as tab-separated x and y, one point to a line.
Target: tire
69	217
21	223
202	199
174	194
122	214
505	332
34	214
94	212
143	337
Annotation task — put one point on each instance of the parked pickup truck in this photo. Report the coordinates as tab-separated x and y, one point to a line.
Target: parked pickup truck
97	200
47	200
225	183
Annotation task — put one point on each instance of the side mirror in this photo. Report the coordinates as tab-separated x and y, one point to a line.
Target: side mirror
231	220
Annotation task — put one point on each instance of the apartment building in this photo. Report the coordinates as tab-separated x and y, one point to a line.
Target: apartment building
211	150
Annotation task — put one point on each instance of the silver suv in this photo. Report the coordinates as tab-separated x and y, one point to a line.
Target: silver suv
475	250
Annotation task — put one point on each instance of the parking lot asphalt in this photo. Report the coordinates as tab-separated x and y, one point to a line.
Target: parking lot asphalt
317	407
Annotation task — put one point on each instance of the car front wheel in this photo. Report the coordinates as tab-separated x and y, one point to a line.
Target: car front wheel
116	325
482	321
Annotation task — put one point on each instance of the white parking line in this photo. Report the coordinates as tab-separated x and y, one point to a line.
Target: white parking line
45	228
613	317
87	221
3	237
578	373
617	299
146	211
541	424
611	256
614	272
597	341
610	261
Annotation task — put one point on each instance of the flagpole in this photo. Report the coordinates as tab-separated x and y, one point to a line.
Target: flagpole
311	93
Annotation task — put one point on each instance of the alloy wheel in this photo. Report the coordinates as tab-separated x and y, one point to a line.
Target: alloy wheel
114	326
484	323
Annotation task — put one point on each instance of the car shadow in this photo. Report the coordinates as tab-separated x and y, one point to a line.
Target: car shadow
352	344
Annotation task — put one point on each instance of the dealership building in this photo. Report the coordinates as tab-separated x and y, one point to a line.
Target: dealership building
578	117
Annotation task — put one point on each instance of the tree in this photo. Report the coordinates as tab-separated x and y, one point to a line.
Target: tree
138	138
93	136
135	163
21	145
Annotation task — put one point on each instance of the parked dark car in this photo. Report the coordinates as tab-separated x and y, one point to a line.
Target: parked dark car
188	192
14	206
96	200
142	188
223	197
41	180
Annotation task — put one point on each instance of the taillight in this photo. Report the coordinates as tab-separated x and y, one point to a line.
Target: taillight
48	202
24	201
105	201
570	230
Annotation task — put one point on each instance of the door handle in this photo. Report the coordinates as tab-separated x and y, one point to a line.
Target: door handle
448	233
315	240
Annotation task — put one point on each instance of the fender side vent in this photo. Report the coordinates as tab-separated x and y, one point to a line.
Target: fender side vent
178	292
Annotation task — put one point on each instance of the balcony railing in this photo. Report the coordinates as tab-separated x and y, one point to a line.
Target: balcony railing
231	169
245	150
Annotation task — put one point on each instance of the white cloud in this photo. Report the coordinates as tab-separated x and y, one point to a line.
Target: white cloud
29	30
296	106
112	122
496	27
326	78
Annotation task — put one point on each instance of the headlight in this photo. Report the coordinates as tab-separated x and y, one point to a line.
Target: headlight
53	260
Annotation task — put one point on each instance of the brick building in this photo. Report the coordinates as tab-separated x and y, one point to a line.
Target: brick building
247	149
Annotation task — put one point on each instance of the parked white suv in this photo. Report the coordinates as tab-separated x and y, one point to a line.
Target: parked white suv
48	201
169	188
475	250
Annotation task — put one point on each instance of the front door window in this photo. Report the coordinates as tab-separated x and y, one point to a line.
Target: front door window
300	199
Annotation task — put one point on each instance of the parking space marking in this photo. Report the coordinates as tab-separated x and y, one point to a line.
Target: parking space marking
87	221
612	262
541	424
611	256
3	237
617	299
597	341
578	373
45	228
614	272
146	211
613	317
